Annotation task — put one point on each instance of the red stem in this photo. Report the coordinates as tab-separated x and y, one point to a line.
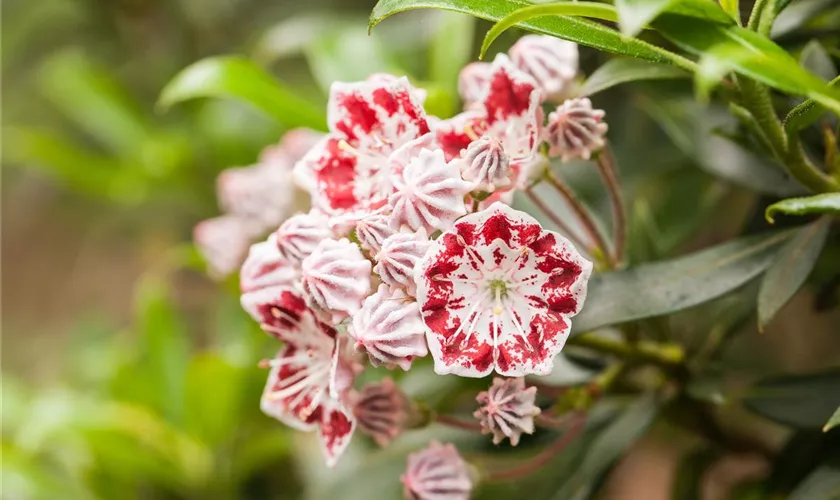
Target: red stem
458	423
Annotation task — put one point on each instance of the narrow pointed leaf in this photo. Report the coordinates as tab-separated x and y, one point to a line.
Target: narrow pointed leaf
733	8
802	401
828	203
239	78
580	31
634	15
790	270
664	287
833	422
623	70
750	54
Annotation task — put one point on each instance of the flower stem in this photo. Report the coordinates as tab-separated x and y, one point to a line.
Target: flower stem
536	200
457	423
545	456
606	167
582	214
665	355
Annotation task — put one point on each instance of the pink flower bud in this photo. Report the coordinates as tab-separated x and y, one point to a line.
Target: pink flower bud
372	231
382	411
436	473
336	277
486	165
389	329
223	242
575	130
298	236
552	62
399	255
507	409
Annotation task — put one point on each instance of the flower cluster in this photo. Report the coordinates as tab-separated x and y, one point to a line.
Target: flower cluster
410	248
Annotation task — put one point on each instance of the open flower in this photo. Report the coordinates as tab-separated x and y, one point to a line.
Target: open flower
507	409
298	236
428	193
508	111
389	329
223	242
436	473
575	130
367	122
552	62
336	277
497	291
399	256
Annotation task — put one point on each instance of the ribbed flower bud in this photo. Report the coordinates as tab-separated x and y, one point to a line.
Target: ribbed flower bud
382	411
372	230
575	130
507	409
298	236
336	277
552	62
436	473
486	165
399	256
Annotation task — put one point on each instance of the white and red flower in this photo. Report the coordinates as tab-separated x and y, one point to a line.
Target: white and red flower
389	329
367	122
497	292
472	82
336	277
508	111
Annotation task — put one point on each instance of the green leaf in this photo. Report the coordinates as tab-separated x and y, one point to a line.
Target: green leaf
822	484
165	345
790	270
609	446
622	70
664	287
92	98
749	54
213	394
817	60
688	479
580	31
804	401
634	15
451	49
241	79
733	8
806	113
833	422
797	15
828	203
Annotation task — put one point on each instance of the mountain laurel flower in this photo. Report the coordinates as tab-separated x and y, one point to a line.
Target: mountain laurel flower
389	329
507	409
436	473
486	165
428	193
336	277
298	236
266	267
372	230
472	81
497	291
262	193
399	255
223	242
552	62
382	411
575	130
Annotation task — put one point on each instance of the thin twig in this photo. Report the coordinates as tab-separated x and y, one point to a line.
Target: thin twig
583	215
458	423
554	218
606	167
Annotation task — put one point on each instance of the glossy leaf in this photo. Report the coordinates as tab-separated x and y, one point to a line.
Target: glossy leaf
664	287
806	113
623	70
749	54
828	203
733	8
609	446
581	31
790	270
634	15
239	78
833	422
822	484
804	401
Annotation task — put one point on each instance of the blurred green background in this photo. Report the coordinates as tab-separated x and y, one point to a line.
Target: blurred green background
129	374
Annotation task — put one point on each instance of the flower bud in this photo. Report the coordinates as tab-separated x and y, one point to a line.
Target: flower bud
382	411
507	409
336	277
575	130
436	473
552	62
486	165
